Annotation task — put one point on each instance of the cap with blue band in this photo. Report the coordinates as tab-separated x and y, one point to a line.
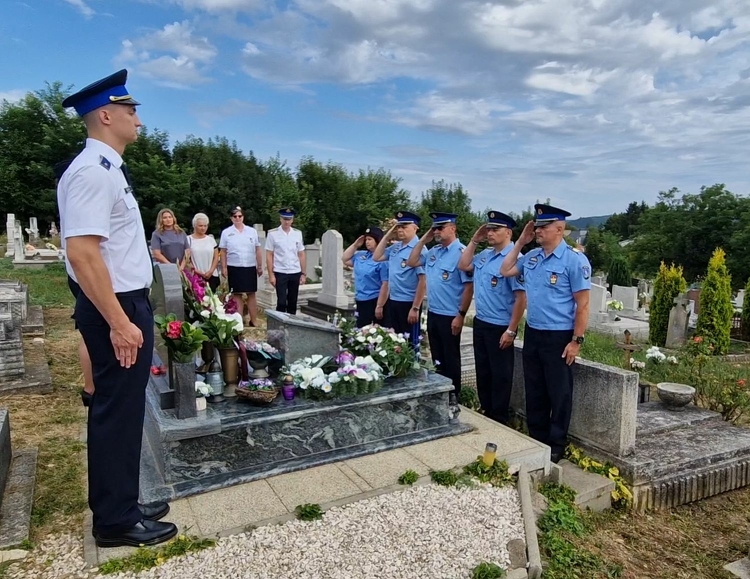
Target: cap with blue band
497	219
407	217
107	91
442	218
546	214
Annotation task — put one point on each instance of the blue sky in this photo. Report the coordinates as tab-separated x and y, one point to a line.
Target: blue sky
592	103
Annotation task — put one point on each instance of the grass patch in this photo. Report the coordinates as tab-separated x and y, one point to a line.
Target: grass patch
47	287
408	478
487	571
469	398
144	558
308	512
446	478
497	474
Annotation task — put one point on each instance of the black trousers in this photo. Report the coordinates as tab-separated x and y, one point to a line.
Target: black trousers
398	314
445	348
549	386
366	313
115	418
494	370
287	291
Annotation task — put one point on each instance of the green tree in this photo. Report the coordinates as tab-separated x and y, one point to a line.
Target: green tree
618	272
600	248
625	225
746	313
716	311
668	285
450	198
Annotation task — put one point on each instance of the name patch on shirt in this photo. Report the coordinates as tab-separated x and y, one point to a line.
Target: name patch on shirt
493	281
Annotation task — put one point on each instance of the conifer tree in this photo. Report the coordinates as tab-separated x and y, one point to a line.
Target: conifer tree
716	310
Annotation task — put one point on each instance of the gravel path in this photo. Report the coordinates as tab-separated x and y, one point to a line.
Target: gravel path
425	531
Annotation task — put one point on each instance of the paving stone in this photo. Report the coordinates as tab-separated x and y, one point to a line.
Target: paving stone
319	485
592	490
443	454
15	513
384	469
739	568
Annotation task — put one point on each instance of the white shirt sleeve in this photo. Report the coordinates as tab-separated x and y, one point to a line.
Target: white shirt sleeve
269	241
223	240
89	197
300	245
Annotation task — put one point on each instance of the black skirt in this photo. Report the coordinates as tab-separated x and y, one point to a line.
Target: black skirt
242	279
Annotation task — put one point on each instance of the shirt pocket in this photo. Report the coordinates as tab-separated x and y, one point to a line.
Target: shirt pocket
447	272
556	278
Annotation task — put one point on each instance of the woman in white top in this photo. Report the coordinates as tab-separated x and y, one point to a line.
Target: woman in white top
241	264
204	251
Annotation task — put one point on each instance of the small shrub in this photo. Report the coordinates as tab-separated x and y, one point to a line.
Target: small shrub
487	571
716	309
469	398
619	271
446	478
408	478
309	512
746	313
668	285
497	474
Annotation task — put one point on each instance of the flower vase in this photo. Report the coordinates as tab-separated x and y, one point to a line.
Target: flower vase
260	368
231	368
184	389
200	403
207	355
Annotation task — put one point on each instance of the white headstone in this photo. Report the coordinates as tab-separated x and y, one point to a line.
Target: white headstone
19	248
333	293
33	231
627	295
312	260
598	298
10	232
740	298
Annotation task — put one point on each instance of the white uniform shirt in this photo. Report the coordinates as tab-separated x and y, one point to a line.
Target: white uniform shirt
240	246
95	199
286	248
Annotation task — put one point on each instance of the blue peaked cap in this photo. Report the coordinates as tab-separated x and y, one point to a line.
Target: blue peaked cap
497	219
545	214
404	217
287	212
109	90
442	218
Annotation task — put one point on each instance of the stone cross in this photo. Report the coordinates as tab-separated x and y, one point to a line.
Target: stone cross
19	249
678	322
53	232
33	231
333	293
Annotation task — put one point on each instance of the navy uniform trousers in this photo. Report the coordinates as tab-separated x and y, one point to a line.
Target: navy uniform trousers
398	316
115	423
494	370
445	348
287	291
549	386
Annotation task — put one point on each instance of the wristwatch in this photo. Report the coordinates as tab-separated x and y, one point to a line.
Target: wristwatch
414	309
578	339
511	333
462	313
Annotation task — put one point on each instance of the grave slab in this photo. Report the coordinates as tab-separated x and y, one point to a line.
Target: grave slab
15	511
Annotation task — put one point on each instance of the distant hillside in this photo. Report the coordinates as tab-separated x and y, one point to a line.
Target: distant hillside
586	222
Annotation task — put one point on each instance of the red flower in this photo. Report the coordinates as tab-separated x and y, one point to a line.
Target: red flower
230	307
741	382
174	329
697	339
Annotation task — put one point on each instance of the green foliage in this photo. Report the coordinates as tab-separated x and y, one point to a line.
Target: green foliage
669	283
558	493
618	272
450	197
487	570
146	558
446	478
622	496
746	313
408	478
469	398
716	310
308	512
625	225
600	248
182	339
497	474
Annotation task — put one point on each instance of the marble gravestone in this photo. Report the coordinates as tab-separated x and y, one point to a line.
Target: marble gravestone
598	303
10	233
333	293
301	335
627	295
312	261
679	318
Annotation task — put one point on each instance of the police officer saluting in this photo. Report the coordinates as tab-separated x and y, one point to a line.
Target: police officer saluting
500	302
106	255
449	293
370	278
557	280
406	283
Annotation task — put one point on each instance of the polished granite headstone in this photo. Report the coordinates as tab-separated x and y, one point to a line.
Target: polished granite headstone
237	442
299	336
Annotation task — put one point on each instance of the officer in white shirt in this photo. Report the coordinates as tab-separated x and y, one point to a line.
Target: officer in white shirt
241	263
106	254
285	260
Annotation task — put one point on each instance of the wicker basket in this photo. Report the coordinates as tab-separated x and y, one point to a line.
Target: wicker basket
257	396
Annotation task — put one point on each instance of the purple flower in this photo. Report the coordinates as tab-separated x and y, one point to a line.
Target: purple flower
356	314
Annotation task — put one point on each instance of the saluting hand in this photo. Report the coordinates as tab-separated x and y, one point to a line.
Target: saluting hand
126	341
480	234
527	235
391	232
570	352
428	236
360	240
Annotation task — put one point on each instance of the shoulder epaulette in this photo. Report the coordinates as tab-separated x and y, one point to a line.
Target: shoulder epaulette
104	162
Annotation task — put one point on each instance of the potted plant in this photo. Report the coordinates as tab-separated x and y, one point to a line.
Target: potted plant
202	390
259	355
614	306
223	326
258	390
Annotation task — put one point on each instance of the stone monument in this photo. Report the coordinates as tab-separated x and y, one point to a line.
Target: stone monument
301	335
627	295
10	232
312	262
678	323
598	304
333	298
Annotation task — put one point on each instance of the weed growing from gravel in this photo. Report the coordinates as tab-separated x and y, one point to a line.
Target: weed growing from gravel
144	558
558	526
487	571
446	478
309	512
497	474
408	478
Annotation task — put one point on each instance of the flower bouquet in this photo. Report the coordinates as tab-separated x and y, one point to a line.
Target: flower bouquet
356	375
390	350
182	339
616	305
310	375
258	390
222	324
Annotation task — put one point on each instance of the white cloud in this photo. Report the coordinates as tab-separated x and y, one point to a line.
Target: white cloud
12	96
82	7
220	5
173	56
208	115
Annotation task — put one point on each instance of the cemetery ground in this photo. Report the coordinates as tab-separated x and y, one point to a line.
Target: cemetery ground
691	541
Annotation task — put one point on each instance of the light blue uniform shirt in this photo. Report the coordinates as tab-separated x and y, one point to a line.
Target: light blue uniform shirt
550	283
403	279
493	294
369	275
445	282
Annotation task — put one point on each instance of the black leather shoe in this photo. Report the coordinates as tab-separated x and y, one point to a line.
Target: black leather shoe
556	457
86	398
144	533
154	511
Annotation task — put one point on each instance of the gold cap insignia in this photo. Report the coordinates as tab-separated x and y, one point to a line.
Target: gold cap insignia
539	211
492	214
399	215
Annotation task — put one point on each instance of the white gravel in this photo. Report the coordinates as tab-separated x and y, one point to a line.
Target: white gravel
425	531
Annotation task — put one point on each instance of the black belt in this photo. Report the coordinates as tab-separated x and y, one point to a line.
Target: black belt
143	292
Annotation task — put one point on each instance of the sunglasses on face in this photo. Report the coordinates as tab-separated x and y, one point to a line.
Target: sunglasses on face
438	227
237	215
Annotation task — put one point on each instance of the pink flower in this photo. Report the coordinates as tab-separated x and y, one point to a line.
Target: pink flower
230	307
741	383
174	329
697	339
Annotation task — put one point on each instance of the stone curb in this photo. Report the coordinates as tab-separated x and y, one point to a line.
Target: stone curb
529	524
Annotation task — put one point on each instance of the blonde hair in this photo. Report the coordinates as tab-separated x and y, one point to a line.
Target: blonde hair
199	217
160	215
